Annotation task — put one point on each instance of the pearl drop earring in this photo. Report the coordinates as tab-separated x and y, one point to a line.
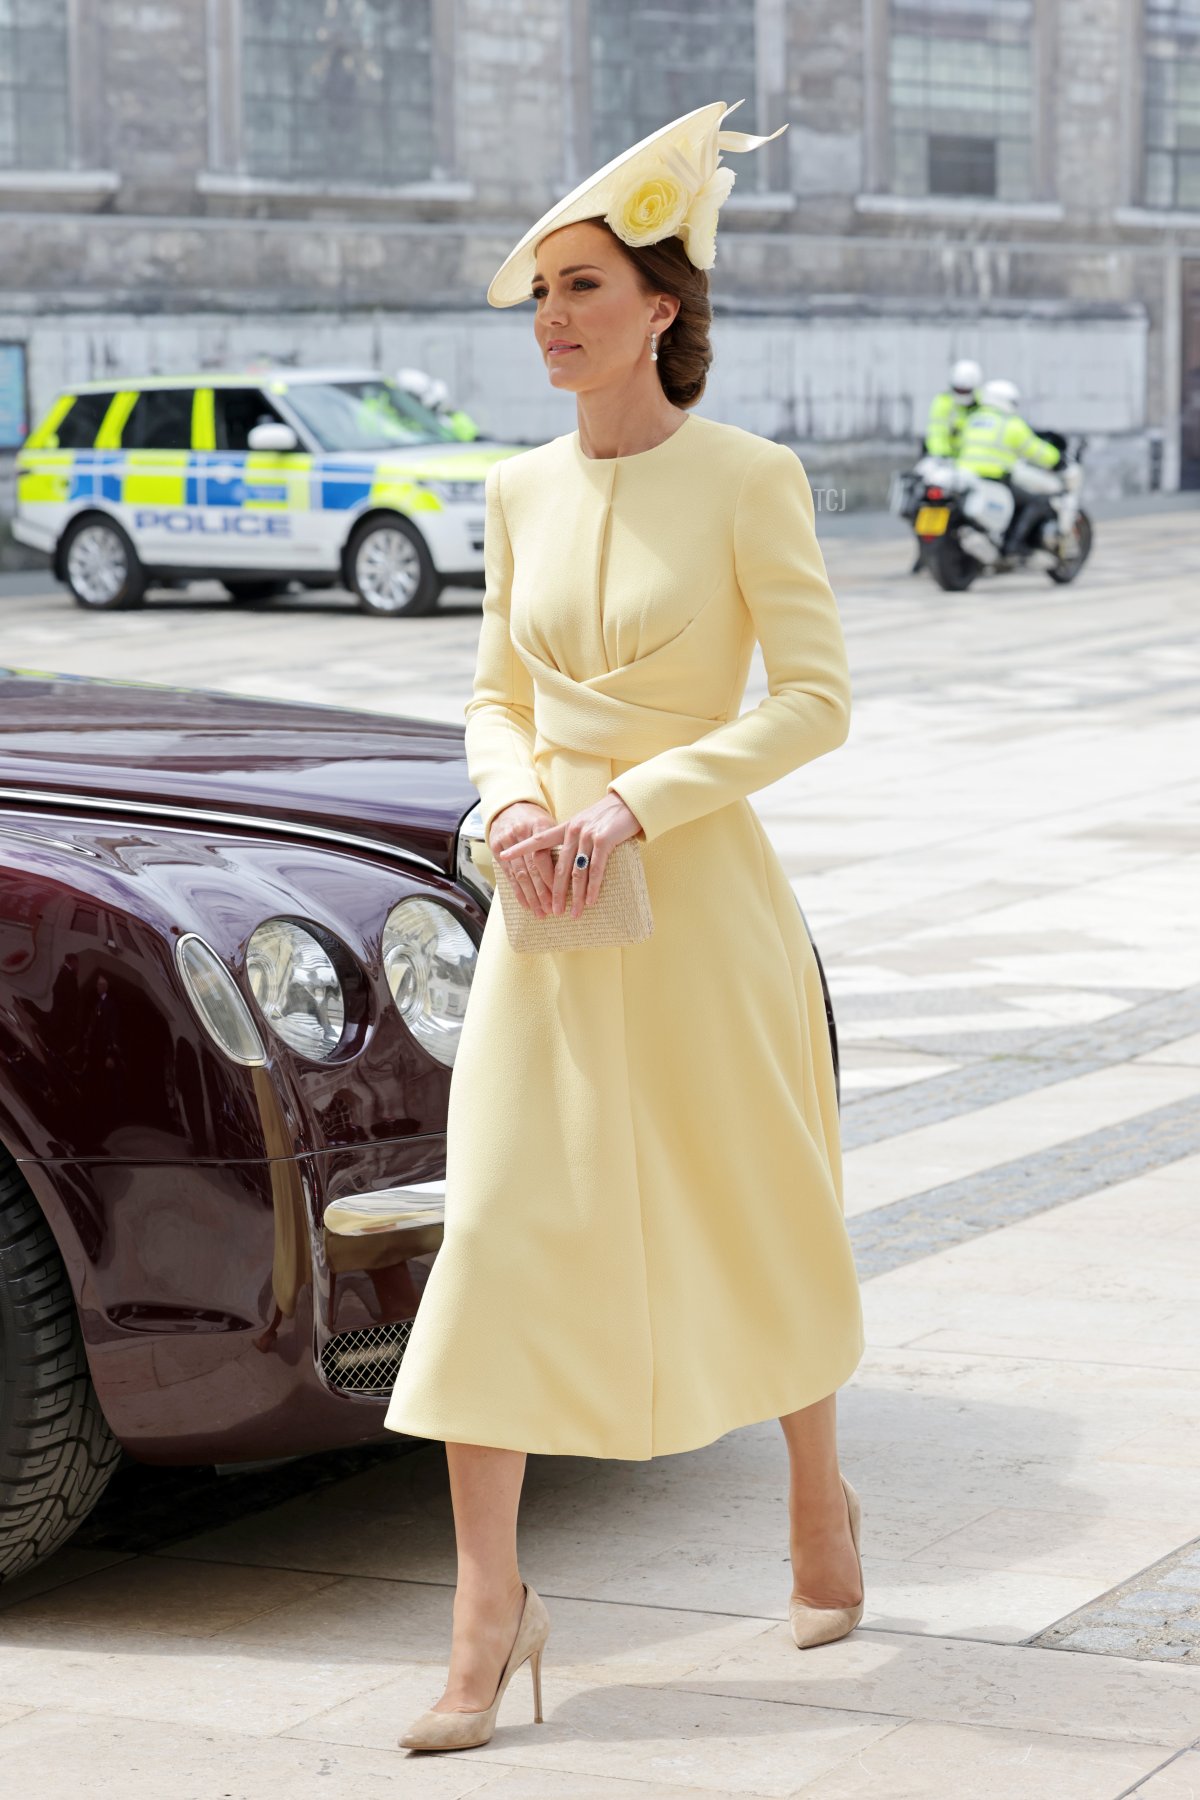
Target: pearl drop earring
654	346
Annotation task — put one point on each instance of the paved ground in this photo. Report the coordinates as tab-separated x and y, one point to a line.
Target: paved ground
1000	868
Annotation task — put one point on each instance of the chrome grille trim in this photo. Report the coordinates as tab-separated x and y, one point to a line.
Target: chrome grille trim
365	1361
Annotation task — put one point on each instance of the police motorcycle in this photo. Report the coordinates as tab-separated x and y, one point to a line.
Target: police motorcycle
972	525
1013	498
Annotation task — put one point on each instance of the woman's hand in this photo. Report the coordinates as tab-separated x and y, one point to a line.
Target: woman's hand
533	873
596	830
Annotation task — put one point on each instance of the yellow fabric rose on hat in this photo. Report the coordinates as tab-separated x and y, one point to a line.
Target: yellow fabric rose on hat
649	207
699	228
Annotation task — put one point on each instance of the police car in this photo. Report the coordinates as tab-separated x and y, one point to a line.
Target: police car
326	477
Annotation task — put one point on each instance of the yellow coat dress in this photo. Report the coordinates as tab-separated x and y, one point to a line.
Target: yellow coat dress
645	1241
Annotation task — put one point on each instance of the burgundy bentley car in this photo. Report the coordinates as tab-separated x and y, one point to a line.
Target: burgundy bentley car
236	946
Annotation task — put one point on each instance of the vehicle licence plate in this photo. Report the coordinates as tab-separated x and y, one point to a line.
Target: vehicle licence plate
931	521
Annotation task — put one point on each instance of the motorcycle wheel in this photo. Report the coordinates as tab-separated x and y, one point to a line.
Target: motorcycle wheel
1066	571
952	568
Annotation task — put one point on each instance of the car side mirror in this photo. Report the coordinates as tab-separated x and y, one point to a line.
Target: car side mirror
271	435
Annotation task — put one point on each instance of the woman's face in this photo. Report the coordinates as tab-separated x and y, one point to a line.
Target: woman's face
593	321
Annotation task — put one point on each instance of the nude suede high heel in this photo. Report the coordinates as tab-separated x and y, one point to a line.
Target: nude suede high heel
463	1730
821	1624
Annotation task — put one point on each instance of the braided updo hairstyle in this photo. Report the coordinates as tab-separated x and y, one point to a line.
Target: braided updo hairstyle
684	350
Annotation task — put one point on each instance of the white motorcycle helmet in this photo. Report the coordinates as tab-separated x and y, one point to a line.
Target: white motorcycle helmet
965	377
430	390
1005	396
417	383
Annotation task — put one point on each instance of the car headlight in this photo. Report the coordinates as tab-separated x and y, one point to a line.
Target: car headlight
297	988
474	859
218	1001
429	961
456	490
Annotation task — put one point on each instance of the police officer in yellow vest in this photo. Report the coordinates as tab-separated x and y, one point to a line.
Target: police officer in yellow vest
996	439
951	409
462	424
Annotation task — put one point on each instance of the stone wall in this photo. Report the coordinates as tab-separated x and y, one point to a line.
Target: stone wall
838	307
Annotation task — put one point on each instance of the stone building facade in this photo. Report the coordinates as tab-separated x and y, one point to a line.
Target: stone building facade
189	183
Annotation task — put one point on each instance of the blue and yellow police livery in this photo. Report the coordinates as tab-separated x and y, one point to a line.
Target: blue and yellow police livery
317	476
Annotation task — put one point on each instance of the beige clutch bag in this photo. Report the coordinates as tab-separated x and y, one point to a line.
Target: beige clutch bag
619	915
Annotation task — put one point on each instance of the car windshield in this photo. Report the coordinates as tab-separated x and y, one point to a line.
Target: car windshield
365	415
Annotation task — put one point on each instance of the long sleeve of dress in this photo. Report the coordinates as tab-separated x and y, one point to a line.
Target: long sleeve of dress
499	716
781	576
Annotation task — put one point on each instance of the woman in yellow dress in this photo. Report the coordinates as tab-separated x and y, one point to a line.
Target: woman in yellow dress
645	1242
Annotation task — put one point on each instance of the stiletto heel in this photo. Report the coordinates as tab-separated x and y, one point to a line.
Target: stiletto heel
463	1729
821	1624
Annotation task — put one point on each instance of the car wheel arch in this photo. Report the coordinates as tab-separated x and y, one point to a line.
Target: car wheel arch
59	1221
39	1179
89	509
371	514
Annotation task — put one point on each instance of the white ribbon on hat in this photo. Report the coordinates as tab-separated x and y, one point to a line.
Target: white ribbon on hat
714	142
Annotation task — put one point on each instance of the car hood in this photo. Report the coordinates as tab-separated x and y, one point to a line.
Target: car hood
463	461
401	782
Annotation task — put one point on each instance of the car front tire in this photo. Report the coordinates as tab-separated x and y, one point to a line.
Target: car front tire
390	569
100	565
57	1454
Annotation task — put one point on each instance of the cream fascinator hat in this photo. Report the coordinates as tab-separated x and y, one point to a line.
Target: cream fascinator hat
666	186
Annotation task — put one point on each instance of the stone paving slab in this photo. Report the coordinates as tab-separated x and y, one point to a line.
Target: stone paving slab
58	1753
1045	1118
170	1678
889	1236
1152	1028
1177	1780
148	1595
741	1744
919	1761
963	1683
